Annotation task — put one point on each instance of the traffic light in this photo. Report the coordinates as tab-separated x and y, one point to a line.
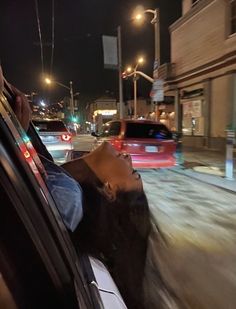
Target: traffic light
74	119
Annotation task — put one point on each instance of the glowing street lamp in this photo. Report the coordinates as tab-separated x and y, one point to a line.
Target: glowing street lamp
48	81
135	77
139	16
129	70
156	22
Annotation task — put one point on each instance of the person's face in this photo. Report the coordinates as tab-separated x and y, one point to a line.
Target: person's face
113	169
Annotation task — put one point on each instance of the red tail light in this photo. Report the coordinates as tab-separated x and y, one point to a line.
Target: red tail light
66	137
117	144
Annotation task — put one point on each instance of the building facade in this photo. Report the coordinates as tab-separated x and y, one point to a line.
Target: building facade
101	111
203	71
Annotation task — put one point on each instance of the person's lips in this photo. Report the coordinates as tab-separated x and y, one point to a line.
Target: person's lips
134	172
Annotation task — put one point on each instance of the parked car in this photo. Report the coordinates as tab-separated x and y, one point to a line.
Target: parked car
149	143
55	136
39	265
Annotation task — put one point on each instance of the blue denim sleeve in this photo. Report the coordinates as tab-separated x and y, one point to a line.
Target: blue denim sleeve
66	193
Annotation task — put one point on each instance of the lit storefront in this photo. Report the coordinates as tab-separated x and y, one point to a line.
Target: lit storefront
192	112
102	110
100	117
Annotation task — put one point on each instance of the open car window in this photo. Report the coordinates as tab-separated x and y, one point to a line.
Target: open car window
26	192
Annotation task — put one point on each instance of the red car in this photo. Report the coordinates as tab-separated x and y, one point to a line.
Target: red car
149	143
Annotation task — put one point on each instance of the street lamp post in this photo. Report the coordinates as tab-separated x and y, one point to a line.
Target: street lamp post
70	88
120	72
135	74
156	22
157	61
135	94
135	90
71	99
135	77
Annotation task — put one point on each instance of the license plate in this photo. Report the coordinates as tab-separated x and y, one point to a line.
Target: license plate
49	138
151	148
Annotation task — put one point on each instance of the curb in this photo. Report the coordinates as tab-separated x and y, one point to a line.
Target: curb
211	170
198	177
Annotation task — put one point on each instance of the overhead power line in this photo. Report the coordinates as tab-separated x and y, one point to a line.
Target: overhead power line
52	43
40	35
53	37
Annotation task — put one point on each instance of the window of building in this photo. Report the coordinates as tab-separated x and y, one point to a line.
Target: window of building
233	16
193	120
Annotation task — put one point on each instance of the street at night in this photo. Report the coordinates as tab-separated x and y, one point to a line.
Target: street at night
118	154
187	210
198	222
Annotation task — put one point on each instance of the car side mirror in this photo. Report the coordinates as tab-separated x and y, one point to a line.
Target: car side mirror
176	135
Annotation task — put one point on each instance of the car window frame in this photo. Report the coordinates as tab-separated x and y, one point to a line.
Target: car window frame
61	236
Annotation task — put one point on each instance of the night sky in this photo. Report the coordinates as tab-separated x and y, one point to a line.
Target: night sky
78	56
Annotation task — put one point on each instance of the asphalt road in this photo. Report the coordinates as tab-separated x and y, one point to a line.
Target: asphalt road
83	142
199	223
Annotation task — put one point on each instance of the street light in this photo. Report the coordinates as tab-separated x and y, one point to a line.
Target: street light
156	22
42	103
135	77
70	88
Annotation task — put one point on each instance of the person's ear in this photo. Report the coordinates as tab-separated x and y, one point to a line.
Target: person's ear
109	191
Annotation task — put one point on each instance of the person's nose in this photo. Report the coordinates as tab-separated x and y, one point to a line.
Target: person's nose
127	157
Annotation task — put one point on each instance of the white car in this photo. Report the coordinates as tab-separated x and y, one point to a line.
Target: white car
55	136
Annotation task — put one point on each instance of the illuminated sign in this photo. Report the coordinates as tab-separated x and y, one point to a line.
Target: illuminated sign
105	112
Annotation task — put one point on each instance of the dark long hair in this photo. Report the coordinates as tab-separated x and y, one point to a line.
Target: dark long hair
120	233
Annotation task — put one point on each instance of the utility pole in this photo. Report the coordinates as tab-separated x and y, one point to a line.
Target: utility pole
71	99
135	95
157	61
120	72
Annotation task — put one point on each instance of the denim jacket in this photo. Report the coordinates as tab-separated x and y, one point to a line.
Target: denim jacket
66	193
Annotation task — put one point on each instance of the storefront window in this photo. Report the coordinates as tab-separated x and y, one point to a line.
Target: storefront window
193	120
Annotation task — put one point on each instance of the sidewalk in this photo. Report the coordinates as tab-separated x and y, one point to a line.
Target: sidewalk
207	166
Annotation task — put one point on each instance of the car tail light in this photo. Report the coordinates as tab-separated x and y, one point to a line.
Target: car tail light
117	144
66	137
